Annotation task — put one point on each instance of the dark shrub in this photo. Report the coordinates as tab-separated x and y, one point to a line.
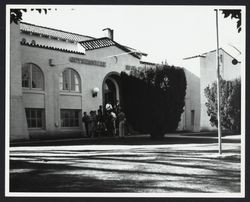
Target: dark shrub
153	99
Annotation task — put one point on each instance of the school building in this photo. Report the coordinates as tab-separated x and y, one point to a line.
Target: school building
200	72
56	75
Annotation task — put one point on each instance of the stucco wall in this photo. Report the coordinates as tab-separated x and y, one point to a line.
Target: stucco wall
192	65
33	99
70	102
91	76
18	124
209	74
229	71
52	99
192	102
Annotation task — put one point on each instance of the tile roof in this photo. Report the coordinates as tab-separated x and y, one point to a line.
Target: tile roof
148	63
196	56
106	42
136	51
50	47
97	43
89	43
49	32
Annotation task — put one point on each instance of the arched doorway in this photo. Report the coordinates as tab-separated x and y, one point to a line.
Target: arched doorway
111	89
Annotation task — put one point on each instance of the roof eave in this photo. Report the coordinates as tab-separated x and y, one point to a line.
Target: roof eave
196	56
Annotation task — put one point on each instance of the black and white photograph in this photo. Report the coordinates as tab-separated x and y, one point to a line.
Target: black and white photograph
125	101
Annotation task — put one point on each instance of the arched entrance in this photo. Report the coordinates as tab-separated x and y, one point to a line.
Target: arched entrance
111	89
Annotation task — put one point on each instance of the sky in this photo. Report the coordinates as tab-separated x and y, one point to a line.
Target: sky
165	33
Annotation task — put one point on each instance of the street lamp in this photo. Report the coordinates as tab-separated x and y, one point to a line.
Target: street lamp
95	91
218	84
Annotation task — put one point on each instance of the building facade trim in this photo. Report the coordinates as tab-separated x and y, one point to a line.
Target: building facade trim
52	33
50	47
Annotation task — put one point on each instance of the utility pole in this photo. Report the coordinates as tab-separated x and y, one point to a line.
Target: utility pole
218	83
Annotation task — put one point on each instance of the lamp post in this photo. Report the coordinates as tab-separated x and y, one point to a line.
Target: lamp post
218	84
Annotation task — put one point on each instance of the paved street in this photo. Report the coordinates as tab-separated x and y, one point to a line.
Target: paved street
134	164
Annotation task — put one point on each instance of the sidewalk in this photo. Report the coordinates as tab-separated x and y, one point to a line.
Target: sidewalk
131	139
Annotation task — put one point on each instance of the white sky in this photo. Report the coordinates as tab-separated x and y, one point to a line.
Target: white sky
164	32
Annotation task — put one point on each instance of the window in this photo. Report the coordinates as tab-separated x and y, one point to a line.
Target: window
69	81
35	118
32	77
70	118
192	117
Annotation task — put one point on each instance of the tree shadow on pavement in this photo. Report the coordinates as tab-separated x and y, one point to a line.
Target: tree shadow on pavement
136	170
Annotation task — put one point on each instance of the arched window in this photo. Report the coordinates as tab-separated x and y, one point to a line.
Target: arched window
32	77
70	81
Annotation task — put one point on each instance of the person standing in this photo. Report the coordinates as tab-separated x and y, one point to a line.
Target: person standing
85	120
113	115
93	123
121	121
101	109
117	111
100	123
110	120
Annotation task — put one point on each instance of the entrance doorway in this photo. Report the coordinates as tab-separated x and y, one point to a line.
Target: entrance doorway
111	91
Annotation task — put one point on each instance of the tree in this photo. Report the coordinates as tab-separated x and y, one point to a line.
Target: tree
16	14
153	99
234	13
230	104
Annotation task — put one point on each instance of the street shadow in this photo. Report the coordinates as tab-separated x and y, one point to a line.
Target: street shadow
44	178
129	140
71	173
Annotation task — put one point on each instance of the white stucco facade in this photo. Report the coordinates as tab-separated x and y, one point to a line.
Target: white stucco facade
94	61
202	72
52	56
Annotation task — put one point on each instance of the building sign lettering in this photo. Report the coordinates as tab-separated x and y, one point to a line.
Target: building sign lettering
134	68
87	62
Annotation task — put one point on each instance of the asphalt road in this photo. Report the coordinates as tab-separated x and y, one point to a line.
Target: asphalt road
179	163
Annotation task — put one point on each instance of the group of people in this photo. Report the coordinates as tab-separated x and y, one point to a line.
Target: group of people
106	122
